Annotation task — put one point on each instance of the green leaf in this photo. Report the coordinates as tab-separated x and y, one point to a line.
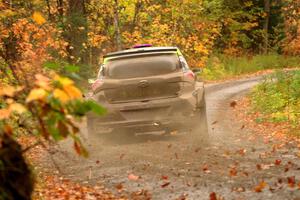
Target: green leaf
96	108
72	68
80	108
51	65
55	133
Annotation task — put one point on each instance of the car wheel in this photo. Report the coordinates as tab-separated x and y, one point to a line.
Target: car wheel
93	132
90	127
199	132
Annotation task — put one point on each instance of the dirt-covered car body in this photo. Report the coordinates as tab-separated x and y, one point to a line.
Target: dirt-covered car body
146	89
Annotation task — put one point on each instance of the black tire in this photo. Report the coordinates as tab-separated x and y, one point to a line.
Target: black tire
93	133
199	132
90	127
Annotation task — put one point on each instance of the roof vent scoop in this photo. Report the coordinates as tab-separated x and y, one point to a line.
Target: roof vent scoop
141	46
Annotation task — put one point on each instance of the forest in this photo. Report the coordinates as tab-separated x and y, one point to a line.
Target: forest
50	48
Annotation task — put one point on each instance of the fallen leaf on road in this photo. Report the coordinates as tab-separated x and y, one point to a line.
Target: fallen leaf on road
258	166
239	189
141	194
245	174
233	104
214	122
286	169
122	156
165	184
291	181
260	186
174	133
242	152
205	169
213	196
164	177
233	172
277	162
182	196
133	177
272	189
119	187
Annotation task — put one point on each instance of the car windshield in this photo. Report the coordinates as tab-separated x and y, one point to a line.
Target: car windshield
142	66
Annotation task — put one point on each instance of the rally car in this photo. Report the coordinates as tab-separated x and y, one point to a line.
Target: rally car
148	89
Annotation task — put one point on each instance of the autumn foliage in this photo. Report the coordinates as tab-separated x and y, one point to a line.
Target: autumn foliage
33	100
46	47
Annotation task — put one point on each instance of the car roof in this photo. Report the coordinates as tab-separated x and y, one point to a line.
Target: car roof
140	51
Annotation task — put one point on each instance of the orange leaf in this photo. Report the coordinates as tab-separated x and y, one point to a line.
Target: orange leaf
61	95
133	177
233	172
4	113
38	18
260	186
72	91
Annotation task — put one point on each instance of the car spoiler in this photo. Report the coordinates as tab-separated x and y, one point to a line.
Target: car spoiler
139	51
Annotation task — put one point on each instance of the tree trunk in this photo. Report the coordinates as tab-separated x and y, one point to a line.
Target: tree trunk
60	8
117	26
76	31
267	9
49	10
138	6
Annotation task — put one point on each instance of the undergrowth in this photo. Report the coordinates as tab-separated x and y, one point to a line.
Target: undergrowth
277	98
222	66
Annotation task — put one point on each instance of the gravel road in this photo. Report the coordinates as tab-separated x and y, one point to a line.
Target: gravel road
232	165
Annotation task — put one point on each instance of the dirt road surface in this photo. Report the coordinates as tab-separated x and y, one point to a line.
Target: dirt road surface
237	164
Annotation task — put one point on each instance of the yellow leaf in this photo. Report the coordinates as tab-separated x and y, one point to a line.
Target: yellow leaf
4	113
63	81
72	91
10	100
61	95
42	81
38	18
36	94
17	107
9	90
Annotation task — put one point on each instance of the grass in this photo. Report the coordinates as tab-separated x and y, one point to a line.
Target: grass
222	66
277	99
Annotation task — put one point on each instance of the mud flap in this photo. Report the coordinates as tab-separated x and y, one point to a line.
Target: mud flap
199	95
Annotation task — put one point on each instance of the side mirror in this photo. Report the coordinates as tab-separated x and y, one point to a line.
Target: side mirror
91	81
197	70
